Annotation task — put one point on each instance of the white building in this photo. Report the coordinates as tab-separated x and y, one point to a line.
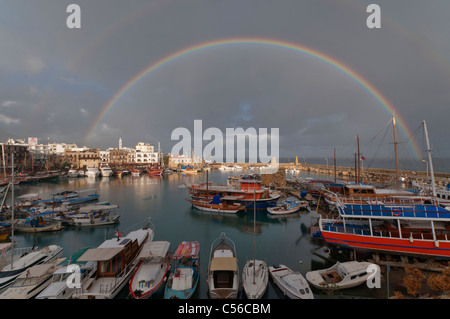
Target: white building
104	156
145	148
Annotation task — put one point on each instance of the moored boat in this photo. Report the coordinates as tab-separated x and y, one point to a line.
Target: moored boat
32	281
184	276
38	223
223	270
255	278
106	171
92	172
24	258
291	283
93	215
218	204
288	206
116	262
151	272
340	276
73	273
248	192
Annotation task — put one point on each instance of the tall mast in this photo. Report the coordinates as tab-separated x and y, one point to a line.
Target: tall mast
254	237
12	207
397	175
335	164
359	158
433	186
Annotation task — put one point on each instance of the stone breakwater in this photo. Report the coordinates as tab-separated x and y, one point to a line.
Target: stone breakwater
348	173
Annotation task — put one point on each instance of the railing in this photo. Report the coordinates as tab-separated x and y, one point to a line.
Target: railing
396	211
17	253
365	231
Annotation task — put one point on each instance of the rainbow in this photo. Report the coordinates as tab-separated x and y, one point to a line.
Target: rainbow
372	90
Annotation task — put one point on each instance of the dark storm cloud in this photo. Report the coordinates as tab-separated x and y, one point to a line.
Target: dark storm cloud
54	82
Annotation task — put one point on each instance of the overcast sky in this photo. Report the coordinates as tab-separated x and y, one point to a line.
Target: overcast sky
54	81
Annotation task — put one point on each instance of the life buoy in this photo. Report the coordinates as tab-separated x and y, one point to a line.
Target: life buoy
92	221
396	212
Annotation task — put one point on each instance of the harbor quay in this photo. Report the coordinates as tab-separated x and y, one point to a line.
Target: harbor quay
348	173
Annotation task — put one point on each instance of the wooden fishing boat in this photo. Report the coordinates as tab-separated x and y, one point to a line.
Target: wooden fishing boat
242	191
223	270
287	207
184	276
340	276
149	276
292	284
218	204
38	223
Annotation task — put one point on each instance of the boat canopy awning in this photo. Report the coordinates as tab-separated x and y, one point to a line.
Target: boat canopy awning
154	249
224	263
100	254
187	249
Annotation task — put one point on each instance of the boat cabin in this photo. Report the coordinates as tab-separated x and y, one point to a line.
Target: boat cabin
223	270
113	256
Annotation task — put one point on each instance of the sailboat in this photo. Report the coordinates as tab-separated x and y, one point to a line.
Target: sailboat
14	261
255	275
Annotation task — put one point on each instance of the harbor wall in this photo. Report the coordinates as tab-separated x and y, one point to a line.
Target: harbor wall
348	173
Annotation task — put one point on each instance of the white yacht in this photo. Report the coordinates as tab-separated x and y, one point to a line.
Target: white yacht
92	172
106	171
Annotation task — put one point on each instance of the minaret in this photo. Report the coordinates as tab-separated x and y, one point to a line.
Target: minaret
120	143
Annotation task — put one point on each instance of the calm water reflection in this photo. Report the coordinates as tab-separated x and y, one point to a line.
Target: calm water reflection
278	240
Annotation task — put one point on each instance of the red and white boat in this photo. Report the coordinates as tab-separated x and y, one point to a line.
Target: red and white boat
149	276
247	192
154	171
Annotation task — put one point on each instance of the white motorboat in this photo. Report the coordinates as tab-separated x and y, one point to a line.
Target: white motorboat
32	281
59	287
154	263
106	171
72	173
340	275
291	283
24	258
93	215
92	172
223	271
116	261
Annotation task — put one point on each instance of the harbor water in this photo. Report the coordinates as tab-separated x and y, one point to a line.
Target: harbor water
279	240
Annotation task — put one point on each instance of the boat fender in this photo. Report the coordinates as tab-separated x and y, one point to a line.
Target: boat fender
411	239
436	243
